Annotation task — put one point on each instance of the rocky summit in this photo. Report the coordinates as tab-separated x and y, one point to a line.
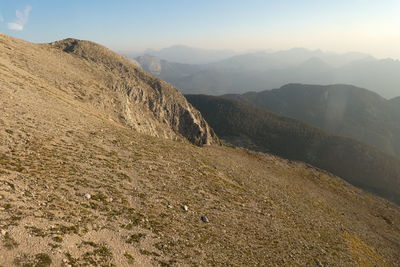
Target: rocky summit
111	85
104	165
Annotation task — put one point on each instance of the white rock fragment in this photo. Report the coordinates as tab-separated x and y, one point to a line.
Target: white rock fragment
204	219
185	208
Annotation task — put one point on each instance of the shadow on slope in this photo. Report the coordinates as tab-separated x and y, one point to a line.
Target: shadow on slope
247	126
341	109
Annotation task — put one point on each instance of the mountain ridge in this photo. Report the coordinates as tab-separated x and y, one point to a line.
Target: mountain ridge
261	70
190	55
120	89
342	109
80	187
261	130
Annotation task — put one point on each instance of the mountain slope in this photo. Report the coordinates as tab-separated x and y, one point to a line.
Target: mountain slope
342	109
141	94
79	189
112	85
396	101
380	75
261	130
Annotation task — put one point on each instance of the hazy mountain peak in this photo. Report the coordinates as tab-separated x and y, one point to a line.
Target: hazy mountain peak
296	50
190	55
314	63
395	100
150	63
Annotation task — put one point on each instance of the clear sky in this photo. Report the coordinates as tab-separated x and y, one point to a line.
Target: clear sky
371	26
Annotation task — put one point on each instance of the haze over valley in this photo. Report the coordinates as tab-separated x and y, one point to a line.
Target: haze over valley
268	70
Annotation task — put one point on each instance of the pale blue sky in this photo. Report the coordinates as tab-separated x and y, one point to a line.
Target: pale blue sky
371	26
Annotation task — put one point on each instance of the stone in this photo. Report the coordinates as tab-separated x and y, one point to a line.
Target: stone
87	196
204	219
318	263
185	208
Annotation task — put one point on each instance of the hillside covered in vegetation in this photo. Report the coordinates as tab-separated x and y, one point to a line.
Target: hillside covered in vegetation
244	125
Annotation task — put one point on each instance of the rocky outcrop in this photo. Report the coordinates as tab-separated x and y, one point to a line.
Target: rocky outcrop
140	100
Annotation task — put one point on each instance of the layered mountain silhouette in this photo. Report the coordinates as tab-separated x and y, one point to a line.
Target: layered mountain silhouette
167	70
396	101
268	70
190	55
341	109
258	129
102	164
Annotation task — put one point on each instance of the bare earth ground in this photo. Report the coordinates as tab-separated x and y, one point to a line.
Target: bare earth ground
55	151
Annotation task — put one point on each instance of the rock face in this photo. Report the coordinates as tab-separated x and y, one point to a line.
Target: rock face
110	85
141	101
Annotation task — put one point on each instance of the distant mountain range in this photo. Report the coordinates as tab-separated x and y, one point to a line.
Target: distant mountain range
349	131
266	70
258	129
341	109
167	70
190	55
